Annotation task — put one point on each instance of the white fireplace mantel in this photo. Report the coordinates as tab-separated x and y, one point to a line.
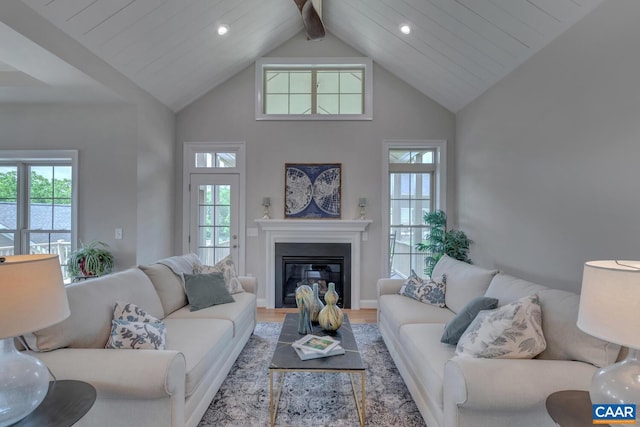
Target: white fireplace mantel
313	231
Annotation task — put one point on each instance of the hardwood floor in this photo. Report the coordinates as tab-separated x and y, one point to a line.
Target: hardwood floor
367	315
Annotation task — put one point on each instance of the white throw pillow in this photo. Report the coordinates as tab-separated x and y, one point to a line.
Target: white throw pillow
227	268
513	331
132	313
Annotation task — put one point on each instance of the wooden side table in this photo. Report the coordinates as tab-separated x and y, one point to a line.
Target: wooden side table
65	403
570	408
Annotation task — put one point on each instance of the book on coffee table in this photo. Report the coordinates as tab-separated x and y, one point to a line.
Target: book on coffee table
309	354
315	343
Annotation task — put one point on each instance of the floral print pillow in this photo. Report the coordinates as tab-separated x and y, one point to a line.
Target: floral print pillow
137	335
227	268
133	328
132	313
513	331
426	291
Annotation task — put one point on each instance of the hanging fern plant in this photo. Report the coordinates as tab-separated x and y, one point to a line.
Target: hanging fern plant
91	260
441	241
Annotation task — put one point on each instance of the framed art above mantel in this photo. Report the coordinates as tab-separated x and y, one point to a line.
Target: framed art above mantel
312	190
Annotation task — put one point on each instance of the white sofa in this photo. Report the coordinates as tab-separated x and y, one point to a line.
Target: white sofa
171	387
459	391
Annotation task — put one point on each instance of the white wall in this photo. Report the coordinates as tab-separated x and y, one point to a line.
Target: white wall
548	159
399	111
105	137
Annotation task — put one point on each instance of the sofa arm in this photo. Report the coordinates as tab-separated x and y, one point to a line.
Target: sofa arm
148	374
249	283
389	286
508	385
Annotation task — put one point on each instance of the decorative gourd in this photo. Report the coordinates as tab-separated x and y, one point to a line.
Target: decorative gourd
330	317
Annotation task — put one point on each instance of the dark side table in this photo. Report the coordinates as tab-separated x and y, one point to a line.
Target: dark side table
65	403
570	408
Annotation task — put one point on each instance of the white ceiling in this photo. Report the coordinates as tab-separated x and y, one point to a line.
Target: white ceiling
170	48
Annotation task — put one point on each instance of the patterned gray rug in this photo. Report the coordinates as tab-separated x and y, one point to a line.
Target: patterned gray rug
312	399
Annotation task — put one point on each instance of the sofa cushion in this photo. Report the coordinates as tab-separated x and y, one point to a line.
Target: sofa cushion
513	331
398	310
455	327
133	335
91	305
169	286
202	342
206	290
428	291
239	312
565	341
421	348
464	281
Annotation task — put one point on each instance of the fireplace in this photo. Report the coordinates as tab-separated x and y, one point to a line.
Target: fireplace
299	264
350	231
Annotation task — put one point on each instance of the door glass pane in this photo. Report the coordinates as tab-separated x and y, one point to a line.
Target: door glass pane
213	222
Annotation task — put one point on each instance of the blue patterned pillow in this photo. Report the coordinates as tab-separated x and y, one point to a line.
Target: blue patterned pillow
132	313
137	335
426	291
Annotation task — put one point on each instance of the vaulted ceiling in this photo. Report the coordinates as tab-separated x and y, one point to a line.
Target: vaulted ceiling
457	48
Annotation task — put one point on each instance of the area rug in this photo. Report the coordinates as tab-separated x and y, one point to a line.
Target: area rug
312	399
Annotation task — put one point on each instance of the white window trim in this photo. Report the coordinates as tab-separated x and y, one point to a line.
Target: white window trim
440	147
188	167
311	63
52	155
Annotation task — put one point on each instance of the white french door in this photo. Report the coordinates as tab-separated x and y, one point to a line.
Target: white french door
213	221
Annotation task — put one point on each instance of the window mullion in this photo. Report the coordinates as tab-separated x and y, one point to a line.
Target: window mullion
314	92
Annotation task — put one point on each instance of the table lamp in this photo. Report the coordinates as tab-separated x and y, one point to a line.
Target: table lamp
32	297
610	310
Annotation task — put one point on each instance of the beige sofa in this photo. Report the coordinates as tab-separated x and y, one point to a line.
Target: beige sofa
459	391
171	387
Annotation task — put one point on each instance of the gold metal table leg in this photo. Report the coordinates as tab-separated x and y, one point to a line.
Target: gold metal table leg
273	403
360	404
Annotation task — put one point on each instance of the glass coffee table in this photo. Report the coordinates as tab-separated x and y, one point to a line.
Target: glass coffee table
286	360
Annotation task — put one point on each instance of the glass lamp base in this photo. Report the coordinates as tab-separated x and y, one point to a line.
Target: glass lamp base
24	382
618	383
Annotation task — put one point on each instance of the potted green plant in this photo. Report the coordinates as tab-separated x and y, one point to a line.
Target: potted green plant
92	260
441	241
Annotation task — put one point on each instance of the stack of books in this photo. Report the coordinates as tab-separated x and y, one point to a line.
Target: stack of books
315	347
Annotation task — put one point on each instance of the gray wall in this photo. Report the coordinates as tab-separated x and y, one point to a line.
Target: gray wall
547	160
104	136
127	168
399	111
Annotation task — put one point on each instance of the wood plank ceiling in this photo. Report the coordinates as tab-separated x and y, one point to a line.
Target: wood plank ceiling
457	48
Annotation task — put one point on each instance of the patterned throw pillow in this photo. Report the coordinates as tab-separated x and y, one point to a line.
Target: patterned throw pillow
137	335
227	268
513	331
425	291
132	313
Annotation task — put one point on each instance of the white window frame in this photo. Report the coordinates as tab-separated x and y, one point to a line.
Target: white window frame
188	167
47	157
306	63
440	175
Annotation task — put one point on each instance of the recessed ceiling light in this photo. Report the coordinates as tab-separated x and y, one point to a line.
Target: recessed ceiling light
405	29
223	29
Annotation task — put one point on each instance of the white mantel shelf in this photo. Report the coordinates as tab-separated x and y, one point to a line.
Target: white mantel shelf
352	231
357	225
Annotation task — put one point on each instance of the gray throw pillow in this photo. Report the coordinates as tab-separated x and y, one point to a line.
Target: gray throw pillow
455	327
205	290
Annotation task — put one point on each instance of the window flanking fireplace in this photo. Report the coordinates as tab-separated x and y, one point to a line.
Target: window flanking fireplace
299	264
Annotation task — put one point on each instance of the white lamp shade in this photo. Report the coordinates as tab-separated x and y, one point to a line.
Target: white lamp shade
32	294
610	301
